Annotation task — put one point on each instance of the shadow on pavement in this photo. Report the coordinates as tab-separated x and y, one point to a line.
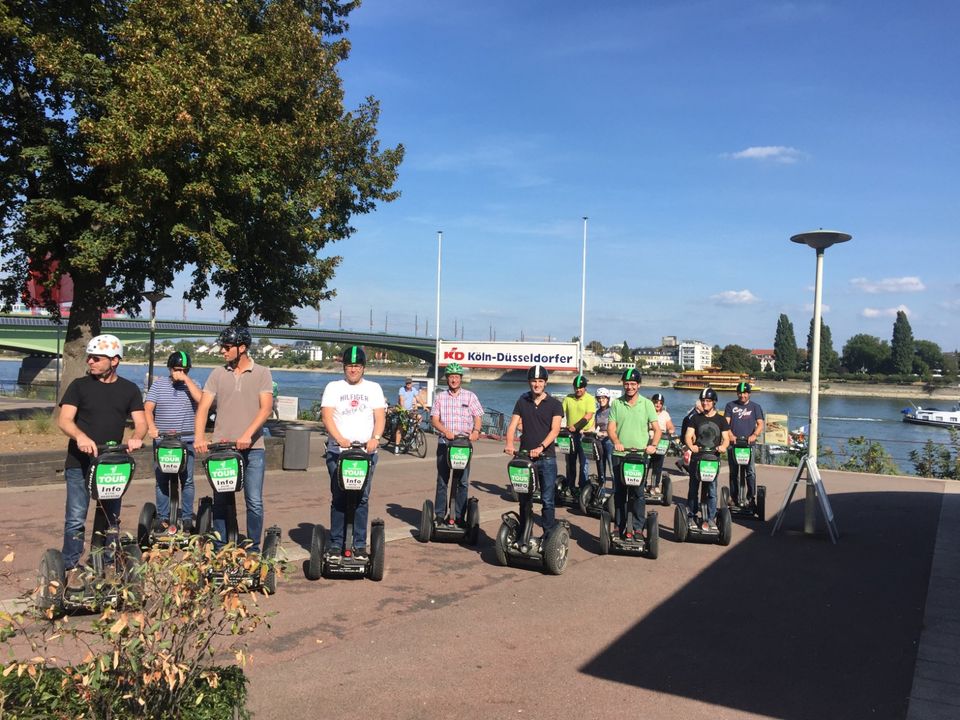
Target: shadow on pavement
794	627
410	516
302	534
498	490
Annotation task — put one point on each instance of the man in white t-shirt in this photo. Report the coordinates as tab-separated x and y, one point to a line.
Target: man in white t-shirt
353	410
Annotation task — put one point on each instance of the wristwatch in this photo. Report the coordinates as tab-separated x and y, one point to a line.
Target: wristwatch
377	437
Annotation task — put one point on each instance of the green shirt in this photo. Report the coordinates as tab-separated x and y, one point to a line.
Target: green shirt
575	408
633	422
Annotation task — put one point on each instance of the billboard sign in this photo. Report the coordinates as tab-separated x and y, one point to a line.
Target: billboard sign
510	355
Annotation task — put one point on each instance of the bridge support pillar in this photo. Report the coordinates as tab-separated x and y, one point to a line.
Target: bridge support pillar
38	370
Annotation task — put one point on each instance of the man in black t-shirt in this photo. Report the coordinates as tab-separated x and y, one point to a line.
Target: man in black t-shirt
93	411
541	415
707	432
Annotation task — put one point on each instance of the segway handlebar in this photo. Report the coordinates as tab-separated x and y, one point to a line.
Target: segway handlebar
222	445
112	447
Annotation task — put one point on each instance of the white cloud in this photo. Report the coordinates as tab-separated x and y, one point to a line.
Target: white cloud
768	153
909	283
951	304
884	312
735	297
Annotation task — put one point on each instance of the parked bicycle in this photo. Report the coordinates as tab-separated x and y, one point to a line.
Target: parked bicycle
412	438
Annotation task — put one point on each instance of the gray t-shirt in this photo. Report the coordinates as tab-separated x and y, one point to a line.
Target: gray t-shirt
238	400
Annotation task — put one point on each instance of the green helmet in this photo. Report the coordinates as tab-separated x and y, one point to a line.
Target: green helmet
453	369
579	382
630	375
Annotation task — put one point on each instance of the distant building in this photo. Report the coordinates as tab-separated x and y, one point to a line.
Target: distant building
767	360
316	353
656	356
694	355
669	341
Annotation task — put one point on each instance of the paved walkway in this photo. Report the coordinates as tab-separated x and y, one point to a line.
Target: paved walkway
788	627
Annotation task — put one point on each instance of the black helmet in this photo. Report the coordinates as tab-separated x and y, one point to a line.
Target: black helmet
354	355
235	335
180	360
708	394
537	372
658	397
630	375
743	387
579	381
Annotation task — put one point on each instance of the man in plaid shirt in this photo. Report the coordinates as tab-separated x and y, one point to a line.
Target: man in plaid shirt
455	412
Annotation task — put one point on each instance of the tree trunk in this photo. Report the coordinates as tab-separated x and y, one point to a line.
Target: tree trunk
83	324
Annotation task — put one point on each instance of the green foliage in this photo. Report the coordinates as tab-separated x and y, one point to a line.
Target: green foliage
950	364
625	354
902	346
864	353
938	461
596	347
151	657
785	346
929	353
735	358
829	359
867	456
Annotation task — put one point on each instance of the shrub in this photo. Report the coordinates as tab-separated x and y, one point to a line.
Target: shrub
938	461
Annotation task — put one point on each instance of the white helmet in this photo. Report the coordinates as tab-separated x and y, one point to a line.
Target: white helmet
603	392
107	345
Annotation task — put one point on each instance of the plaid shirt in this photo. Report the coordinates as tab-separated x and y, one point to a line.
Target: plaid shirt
456	412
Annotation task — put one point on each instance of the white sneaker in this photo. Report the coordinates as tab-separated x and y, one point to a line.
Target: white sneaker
396	451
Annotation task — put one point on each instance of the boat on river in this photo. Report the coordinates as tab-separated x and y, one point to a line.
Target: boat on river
712	377
932	416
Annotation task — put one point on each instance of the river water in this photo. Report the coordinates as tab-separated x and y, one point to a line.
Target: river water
840	417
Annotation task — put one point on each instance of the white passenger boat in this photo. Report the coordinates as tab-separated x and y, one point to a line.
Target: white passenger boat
933	416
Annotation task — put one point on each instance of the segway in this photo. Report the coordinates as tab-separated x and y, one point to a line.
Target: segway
171	457
744	506
647	542
353	472
459	452
594	497
224	467
566	487
660	493
706	471
514	539
108	478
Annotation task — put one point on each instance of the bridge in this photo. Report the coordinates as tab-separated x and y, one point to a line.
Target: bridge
42	336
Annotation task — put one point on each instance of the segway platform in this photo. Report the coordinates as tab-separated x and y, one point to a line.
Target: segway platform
459	453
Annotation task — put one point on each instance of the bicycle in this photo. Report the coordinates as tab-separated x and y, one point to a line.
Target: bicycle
412	438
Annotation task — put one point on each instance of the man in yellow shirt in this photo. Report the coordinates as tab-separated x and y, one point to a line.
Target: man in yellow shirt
578	410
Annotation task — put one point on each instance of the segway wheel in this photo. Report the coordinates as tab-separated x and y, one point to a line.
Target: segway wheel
725	525
725	497
604	532
653	535
148	516
666	486
504	538
426	522
318	540
419	444
269	553
473	521
555	549
204	524
680	523
129	559
762	502
377	544
51	580
585	498
611	506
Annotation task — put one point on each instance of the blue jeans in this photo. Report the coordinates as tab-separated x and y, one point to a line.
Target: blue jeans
606	460
751	475
443	472
576	458
78	502
338	506
252	496
547	470
623	501
655	466
186	486
693	495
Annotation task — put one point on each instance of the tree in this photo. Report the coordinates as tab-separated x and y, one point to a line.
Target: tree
901	347
930	353
785	346
866	354
145	139
596	347
829	359
625	354
734	358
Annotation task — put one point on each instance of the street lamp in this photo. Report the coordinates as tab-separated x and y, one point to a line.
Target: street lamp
819	240
436	330
583	293
153	297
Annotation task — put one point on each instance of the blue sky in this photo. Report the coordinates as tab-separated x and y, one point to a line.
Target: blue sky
697	136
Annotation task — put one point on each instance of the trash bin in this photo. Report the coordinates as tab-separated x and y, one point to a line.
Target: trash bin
296	448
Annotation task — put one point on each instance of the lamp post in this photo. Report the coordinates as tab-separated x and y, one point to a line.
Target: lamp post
583	293
819	240
436	327
153	297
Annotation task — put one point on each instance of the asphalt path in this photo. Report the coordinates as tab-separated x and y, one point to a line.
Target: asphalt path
789	626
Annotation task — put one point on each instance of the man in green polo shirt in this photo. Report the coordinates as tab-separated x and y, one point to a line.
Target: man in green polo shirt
632	417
